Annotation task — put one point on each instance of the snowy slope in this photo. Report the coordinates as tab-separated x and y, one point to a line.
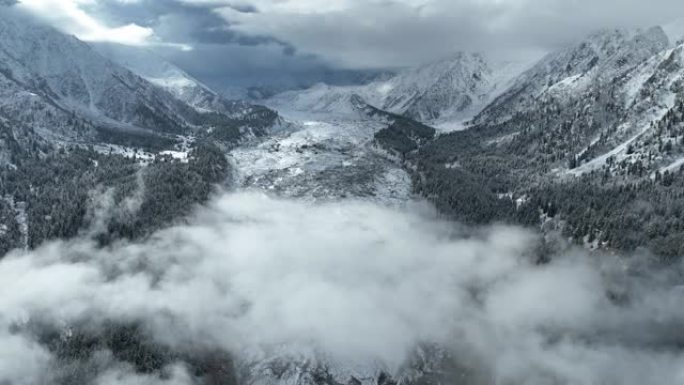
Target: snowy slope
37	62
166	75
601	58
321	100
612	102
444	91
448	89
654	95
62	88
651	94
157	71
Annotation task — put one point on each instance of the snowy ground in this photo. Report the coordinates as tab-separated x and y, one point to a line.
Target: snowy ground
654	114
674	166
447	126
322	160
317	156
181	152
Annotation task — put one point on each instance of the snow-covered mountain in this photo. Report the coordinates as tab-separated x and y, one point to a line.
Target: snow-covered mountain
600	59
584	137
320	100
442	92
43	68
61	87
448	89
596	100
159	72
653	94
168	76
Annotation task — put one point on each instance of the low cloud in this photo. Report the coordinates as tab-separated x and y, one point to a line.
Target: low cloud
352	284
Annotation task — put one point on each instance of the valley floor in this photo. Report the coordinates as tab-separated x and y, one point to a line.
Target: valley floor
322	158
274	290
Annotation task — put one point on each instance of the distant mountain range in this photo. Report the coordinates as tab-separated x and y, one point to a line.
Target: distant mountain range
62	89
443	92
610	75
590	141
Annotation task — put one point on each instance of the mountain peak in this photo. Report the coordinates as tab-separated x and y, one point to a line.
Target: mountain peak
654	35
462	55
441	92
604	55
609	42
675	30
159	72
49	79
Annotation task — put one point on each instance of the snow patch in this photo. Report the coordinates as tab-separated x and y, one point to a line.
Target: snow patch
674	166
179	155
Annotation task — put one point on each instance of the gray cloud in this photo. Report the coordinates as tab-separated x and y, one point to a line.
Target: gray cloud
301	40
221	56
352	283
381	33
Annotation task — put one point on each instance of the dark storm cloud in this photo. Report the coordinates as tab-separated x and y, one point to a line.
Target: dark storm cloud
220	55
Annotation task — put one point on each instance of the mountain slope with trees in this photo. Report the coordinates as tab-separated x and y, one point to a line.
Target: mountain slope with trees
588	142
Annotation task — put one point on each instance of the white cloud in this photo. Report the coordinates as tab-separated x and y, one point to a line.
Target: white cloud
71	18
355	283
21	359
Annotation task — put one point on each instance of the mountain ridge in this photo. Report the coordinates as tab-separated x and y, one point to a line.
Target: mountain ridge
63	89
438	93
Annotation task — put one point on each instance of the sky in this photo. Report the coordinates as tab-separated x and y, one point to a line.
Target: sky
250	42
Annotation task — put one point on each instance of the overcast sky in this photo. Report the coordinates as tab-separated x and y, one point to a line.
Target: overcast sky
262	41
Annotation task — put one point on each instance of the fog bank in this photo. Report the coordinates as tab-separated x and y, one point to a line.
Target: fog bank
353	284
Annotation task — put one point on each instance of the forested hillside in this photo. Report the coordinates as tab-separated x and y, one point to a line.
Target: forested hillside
597	155
77	190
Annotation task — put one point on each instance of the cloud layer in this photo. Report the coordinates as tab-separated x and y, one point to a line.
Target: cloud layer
70	16
352	283
263	41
